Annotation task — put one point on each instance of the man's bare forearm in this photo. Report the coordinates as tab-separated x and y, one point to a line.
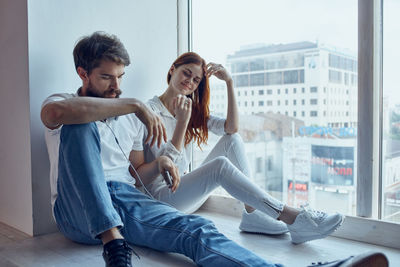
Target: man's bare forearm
80	110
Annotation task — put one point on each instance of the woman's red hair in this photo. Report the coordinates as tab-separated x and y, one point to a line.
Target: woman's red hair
197	128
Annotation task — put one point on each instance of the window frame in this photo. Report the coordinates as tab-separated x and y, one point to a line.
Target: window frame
366	226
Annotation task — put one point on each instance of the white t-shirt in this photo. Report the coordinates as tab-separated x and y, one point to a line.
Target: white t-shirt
180	158
129	131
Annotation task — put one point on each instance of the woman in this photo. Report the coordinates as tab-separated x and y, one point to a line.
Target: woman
183	107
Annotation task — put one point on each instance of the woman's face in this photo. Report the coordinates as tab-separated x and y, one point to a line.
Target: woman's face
186	78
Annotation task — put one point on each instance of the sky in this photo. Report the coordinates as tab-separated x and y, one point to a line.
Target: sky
221	27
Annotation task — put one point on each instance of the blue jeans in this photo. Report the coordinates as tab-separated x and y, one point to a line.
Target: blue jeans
87	205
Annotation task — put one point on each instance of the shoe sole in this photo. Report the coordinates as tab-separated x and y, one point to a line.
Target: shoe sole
369	259
298	240
243	227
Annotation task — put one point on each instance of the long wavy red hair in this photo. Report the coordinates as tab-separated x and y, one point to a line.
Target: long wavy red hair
197	128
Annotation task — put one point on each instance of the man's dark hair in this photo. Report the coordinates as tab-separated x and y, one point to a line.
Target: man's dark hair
91	50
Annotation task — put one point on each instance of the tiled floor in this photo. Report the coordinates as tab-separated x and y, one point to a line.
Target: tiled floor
17	249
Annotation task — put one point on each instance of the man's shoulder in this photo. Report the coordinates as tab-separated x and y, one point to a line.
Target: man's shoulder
58	97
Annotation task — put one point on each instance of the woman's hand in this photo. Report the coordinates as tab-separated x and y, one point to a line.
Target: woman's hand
166	164
182	108
218	71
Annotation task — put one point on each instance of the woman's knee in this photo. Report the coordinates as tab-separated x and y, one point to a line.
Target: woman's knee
234	138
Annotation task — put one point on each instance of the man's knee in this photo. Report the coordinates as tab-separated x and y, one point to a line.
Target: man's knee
79	130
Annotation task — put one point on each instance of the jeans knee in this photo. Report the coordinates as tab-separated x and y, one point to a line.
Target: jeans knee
79	130
234	138
221	162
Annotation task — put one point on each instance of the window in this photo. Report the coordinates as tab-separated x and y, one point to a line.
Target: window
340	66
294	113
294	90
390	176
260	92
294	102
260	103
279	91
269	103
269	92
303	102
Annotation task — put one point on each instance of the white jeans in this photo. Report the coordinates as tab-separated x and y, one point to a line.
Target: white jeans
225	166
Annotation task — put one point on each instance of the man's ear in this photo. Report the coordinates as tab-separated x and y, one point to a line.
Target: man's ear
82	74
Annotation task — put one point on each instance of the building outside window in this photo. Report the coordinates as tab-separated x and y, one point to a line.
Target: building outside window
320	146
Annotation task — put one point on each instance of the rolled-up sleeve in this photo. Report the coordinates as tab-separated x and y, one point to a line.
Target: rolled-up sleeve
216	125
169	150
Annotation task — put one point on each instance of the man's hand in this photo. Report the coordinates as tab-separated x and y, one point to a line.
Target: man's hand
166	164
155	127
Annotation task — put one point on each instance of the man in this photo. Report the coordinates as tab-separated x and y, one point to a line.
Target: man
90	136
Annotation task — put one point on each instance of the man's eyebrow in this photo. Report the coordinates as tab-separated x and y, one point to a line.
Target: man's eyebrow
110	75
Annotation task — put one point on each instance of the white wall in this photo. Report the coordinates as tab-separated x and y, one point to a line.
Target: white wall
15	164
147	28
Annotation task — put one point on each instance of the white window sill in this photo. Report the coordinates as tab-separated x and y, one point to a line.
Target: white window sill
354	228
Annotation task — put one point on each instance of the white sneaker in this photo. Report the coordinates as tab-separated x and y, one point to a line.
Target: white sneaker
311	224
258	222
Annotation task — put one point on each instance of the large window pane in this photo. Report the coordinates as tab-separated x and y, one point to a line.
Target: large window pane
296	84
391	112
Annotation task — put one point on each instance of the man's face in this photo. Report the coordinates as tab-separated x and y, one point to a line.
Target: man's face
104	81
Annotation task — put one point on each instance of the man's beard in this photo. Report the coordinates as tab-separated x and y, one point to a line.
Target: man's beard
92	91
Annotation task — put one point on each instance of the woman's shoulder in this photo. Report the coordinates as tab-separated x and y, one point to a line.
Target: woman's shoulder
154	103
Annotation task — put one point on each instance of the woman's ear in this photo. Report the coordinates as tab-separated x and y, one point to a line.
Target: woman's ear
171	70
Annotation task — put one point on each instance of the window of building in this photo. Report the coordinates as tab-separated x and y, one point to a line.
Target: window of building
269	103
294	113
303	113
303	102
260	103
294	90
303	90
260	92
313	89
294	102
286	91
286	102
313	113
269	92
314	101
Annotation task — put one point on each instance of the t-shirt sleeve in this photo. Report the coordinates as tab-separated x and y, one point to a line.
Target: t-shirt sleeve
139	136
216	125
54	98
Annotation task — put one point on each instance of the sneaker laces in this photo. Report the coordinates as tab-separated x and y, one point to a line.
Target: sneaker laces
312	215
121	255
